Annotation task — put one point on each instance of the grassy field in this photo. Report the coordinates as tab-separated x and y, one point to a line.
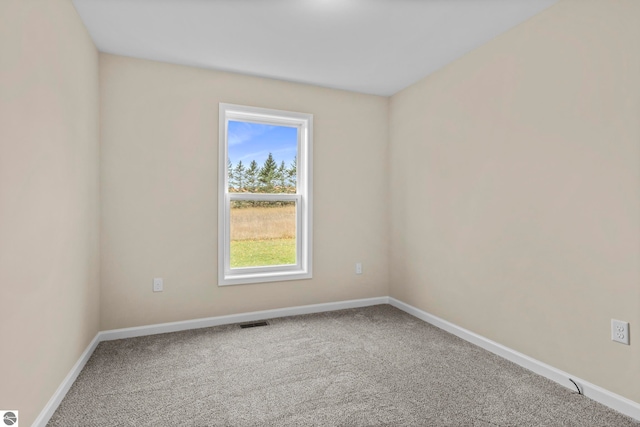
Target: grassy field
254	253
262	236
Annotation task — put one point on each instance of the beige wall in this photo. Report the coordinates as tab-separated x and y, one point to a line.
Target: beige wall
516	180
48	199
159	161
515	175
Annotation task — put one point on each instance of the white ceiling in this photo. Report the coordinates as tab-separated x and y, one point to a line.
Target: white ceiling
369	46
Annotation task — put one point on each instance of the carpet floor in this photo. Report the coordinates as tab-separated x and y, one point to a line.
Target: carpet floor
373	366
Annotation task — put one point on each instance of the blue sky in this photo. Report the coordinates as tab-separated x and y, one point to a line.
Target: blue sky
252	141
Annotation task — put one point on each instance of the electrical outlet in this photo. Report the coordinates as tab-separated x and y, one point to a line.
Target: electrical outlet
358	268
620	331
158	285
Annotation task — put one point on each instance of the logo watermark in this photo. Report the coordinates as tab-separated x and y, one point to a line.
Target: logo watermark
9	418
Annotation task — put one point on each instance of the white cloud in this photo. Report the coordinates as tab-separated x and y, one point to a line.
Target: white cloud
246	131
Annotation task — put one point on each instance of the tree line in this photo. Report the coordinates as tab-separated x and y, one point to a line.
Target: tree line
268	178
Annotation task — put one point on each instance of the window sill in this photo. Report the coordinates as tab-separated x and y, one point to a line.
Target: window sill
262	277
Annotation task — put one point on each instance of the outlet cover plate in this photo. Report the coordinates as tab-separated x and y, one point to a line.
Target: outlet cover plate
358	268
620	331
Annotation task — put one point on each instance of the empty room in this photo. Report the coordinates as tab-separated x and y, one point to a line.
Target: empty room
319	212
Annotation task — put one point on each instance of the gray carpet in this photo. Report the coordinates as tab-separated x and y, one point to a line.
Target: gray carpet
374	366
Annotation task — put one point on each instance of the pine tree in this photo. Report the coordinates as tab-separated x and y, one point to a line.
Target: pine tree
281	178
239	176
292	175
230	174
267	175
251	176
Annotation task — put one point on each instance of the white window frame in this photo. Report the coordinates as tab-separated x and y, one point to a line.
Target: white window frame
303	197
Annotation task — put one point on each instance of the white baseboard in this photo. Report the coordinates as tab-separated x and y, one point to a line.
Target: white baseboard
162	328
592	391
612	400
61	392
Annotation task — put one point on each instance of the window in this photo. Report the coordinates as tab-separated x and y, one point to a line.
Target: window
264	219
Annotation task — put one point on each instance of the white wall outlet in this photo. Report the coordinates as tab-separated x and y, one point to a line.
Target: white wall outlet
358	268
620	331
158	284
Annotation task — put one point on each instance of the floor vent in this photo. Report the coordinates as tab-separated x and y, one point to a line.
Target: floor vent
253	325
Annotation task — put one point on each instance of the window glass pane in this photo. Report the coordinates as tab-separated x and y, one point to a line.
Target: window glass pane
262	233
262	158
